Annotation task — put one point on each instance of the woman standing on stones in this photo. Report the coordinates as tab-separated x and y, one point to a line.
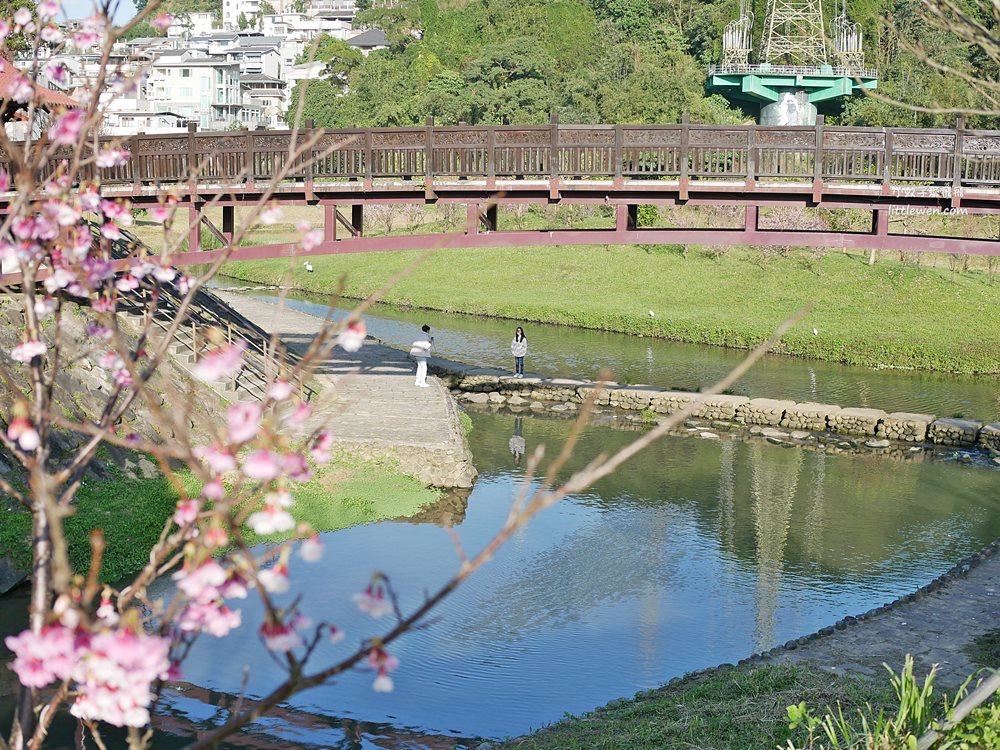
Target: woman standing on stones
519	347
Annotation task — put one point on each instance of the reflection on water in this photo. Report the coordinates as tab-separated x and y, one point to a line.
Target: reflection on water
697	552
578	353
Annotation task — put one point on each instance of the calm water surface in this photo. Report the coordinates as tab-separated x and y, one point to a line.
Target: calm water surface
698	552
578	353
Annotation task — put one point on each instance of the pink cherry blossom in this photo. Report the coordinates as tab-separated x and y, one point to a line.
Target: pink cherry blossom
218	459
336	634
4	30
187	511
311	549
42	658
274	580
214	490
212	617
23	432
27	351
67	128
44	306
110	231
22	17
91	32
352	336
202	580
20	89
279	637
162	22
220	363
111	157
126	283
243	422
236	586
262	465
48	8
271	519
299	415
279	390
51	34
107	613
321	447
114	675
383	662
294	465
373	601
271	215
383	683
215	537
162	212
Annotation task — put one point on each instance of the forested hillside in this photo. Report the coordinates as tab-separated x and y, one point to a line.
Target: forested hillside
515	61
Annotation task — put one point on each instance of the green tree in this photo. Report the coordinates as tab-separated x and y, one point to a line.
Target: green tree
340	58
242	21
509	83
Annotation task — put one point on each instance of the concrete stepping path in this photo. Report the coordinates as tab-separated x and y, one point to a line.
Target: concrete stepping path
370	402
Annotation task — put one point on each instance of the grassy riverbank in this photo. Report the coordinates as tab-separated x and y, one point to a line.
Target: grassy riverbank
730	709
347	492
892	314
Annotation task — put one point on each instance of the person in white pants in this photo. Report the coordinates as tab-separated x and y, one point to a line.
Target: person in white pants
420	351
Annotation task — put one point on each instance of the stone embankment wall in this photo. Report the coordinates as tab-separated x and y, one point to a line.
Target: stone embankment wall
476	385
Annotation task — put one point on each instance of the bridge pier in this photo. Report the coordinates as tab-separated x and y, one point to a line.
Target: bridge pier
228	222
626	217
358	219
194	230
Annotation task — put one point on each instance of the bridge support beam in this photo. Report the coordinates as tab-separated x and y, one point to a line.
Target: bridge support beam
329	222
228	222
358	219
472	218
490	217
194	230
626	217
750	220
880	222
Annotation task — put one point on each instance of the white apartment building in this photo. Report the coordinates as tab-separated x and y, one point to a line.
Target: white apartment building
199	88
192	24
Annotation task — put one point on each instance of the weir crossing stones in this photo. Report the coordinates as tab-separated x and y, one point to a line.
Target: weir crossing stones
476	385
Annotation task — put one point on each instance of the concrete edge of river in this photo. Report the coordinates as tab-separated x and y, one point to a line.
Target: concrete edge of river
766	416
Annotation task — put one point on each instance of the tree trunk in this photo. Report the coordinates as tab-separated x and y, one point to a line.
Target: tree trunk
871	257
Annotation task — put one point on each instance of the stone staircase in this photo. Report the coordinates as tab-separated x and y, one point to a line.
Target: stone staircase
208	317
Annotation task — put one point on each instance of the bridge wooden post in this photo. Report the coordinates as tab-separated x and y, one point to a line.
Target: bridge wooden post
626	217
248	160
554	165
619	156
192	157
307	175
956	179
429	158
490	219
369	167
358	218
329	222
472	219
682	179
887	163
817	190
751	225
228	222
751	181
194	230
880	222
491	163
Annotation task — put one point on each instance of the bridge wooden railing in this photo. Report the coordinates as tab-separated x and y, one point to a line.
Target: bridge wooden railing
888	156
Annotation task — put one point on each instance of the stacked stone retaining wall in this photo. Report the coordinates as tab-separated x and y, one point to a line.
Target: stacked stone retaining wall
498	388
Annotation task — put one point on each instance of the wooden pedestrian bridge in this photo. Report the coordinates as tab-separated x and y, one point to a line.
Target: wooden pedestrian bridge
485	168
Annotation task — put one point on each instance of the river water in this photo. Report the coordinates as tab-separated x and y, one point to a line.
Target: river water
561	351
695	553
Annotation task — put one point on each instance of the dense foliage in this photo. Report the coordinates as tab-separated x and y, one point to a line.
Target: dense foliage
515	61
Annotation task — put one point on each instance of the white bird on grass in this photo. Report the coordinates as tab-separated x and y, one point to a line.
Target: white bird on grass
815	332
308	266
652	314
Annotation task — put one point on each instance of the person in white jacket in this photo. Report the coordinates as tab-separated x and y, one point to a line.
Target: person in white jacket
420	351
519	348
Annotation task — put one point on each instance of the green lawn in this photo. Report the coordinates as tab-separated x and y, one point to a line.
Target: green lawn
347	492
741	708
890	315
